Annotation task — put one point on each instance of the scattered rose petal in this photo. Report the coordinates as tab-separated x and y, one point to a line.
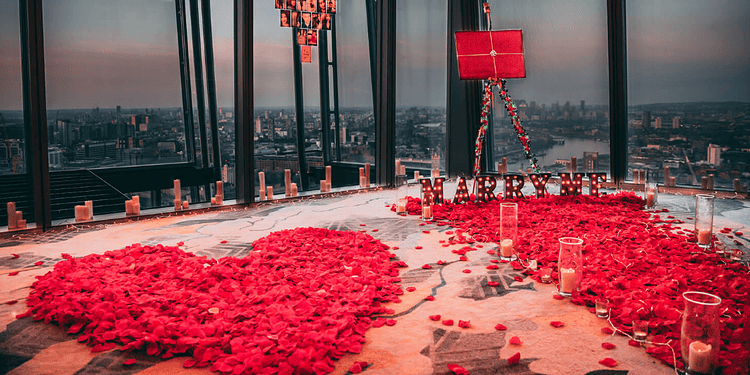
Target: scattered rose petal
466	271
394	248
362	225
463	258
39	263
491	252
515	358
515	340
377	323
427	266
128	362
518	278
418	247
609	362
556	324
500	327
608	330
390	322
18	256
493	283
223	241
180	243
608	345
440	262
14	273
494	261
435	317
464	323
430	298
492	267
458	370
13	302
634	343
448	322
411	289
557	296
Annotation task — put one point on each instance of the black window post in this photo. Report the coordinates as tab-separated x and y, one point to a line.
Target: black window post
618	90
385	102
243	100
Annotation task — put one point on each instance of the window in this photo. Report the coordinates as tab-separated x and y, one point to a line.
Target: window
687	90
563	101
12	128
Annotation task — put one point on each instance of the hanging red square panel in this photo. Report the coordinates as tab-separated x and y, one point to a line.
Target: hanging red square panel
490	54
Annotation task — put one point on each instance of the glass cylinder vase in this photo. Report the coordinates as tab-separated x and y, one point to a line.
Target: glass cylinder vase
508	230
704	219
651	189
701	332
402	190
570	265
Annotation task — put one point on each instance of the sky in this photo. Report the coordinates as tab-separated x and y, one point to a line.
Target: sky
125	53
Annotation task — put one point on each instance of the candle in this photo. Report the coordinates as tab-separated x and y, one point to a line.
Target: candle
128	207
178	203
699	359
19	216
177	189
82	213
185	205
602	307
136	199
417	176
220	188
567	280
213	201
532	264
435	172
269	192
21	224
11	207
427	212
262	184
650	198
361	177
322	186
704	237
328	174
294	189
90	206
287	182
401	206
367	174
398	166
506	247
546	275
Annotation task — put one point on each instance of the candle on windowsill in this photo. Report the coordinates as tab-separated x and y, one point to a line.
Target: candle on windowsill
367	174
435	173
567	280
262	185
506	248
12	221
361	177
294	189
287	183
398	166
178	204
699	359
185	205
269	192
21	224
417	176
82	213
177	189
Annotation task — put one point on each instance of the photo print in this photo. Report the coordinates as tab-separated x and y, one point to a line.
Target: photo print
326	21
302	37
312	37
322	6
285	22
316	21
312	5
291	4
331	8
306	20
295	19
280	4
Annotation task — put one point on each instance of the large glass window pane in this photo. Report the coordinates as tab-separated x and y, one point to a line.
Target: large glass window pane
113	84
222	15
688	90
563	101
421	37
13	181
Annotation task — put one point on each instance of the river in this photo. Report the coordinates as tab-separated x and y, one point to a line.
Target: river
572	147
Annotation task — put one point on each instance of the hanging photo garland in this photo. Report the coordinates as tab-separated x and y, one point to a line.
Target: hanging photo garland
513	113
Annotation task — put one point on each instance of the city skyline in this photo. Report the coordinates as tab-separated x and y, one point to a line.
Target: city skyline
115	54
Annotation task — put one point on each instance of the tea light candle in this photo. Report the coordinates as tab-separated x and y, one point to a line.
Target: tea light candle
213	201
532	264
506	248
704	237
699	359
567	280
178	204
427	212
545	275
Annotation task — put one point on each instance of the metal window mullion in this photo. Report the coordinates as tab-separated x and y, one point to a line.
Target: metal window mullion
385	103
243	100
208	47
618	89
187	97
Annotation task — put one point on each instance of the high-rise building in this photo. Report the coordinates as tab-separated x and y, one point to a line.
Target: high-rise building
646	119
676	122
590	161
657	123
714	154
583	106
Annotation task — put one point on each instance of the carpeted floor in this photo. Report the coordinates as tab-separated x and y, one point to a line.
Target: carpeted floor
414	345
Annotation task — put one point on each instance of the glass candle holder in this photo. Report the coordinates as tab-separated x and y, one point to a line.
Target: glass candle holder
651	189
701	332
427	208
602	307
545	274
704	219
720	249
736	255
640	330
402	190
570	265
508	230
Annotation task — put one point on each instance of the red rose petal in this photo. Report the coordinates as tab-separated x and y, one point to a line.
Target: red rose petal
608	330
458	370
411	289
464	323
608	346
448	322
518	278
426	231
491	252
557	296
13	302
494	261
180	243
492	267
435	317
515	340
440	262
375	230
556	324
128	362
427	266
377	323
39	263
609	362
356	368
18	256
463	258
14	273
394	248
515	358
430	298
418	247
466	271
500	327
736	234
634	343
390	322
493	283
362	225
223	241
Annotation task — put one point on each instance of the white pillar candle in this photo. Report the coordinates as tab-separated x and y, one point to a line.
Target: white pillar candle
269	192
401	206
185	205
136	208
262	185
573	164
128	207
361	177
294	189
82	213
650	198
322	186
19	216
287	182
416	176
398	166
328	174
21	224
506	248
435	173
11	207
178	204
367	174
177	189
90	206
567	280
699	359
136	199
704	237
220	188
427	212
